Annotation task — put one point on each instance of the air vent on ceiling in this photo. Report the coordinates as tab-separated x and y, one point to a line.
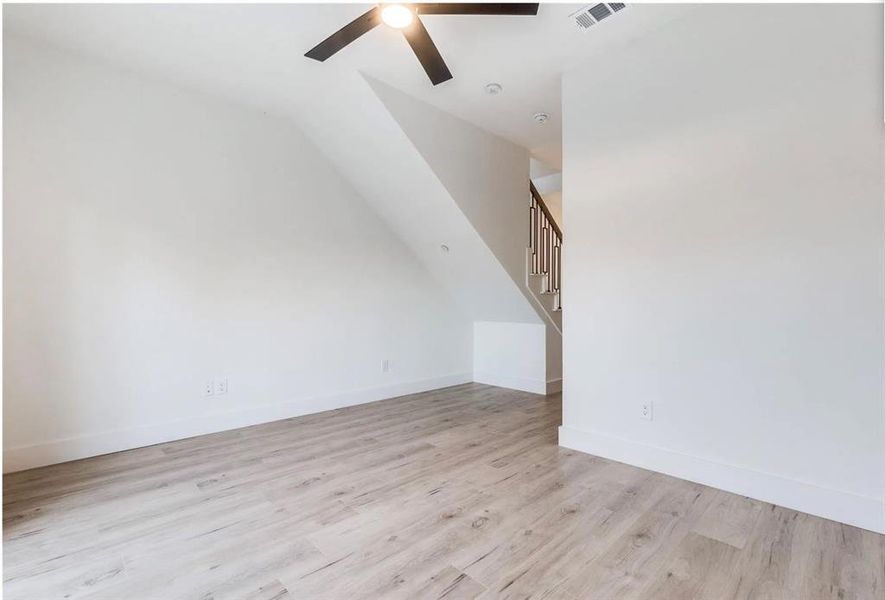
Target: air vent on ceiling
594	13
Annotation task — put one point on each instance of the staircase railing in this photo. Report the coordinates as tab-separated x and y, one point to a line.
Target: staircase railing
545	243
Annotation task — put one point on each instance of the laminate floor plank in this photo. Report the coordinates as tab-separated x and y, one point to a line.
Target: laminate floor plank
451	584
700	569
455	493
729	519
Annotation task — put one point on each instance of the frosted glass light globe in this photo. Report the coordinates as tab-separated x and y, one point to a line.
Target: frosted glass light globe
397	16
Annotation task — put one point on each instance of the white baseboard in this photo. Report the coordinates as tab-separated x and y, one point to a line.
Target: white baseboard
524	384
554	386
845	507
84	446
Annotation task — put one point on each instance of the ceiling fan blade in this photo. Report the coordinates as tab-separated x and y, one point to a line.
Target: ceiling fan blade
426	51
345	35
486	8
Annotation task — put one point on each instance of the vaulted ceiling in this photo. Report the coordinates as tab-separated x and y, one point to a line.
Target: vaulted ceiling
254	54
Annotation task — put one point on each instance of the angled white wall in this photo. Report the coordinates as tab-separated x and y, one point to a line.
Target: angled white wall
486	176
487	179
723	188
371	150
156	238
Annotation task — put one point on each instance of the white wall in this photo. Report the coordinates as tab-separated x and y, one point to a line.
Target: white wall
155	238
726	255
553	200
369	147
511	355
487	178
554	360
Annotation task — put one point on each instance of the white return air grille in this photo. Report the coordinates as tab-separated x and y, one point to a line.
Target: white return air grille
594	13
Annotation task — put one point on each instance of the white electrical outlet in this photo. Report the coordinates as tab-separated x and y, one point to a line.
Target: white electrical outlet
647	410
385	365
221	386
209	388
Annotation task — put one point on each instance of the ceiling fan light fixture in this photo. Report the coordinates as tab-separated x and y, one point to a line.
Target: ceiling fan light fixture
397	16
405	18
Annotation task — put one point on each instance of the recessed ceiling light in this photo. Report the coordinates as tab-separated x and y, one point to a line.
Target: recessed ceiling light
397	16
541	118
494	89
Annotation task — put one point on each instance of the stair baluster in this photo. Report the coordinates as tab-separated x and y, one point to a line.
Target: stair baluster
545	242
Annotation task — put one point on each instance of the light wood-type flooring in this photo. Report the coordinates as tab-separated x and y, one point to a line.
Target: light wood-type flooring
456	493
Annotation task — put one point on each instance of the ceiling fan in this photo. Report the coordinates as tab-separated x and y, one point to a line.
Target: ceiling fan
406	17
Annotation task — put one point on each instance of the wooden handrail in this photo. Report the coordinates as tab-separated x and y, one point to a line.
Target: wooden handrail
544	208
545	245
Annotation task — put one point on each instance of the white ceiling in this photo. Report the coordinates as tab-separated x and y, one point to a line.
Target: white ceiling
254	54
